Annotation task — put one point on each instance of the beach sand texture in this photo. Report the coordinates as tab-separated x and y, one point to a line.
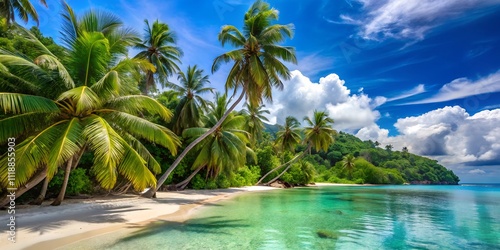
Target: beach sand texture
49	227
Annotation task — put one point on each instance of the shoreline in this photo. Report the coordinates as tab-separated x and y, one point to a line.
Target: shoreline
48	227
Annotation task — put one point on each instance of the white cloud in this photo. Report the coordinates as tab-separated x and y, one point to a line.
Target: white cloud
419	89
300	97
374	133
403	19
477	171
463	87
449	135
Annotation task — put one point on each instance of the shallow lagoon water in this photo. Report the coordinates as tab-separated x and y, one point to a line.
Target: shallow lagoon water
353	217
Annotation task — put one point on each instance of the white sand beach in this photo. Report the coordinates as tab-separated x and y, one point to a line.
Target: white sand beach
48	227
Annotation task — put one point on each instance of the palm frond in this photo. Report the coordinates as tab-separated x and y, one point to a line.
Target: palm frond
9	59
50	62
70	26
145	129
232	35
22	124
31	154
66	146
19	103
108	148
136	104
153	165
83	98
133	168
108	86
89	56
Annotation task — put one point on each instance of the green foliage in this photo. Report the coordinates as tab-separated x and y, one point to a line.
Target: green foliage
267	159
245	176
158	47
257	56
188	112
376	165
84	100
78	183
300	173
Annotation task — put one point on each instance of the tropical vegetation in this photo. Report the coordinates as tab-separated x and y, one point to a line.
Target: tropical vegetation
92	105
88	119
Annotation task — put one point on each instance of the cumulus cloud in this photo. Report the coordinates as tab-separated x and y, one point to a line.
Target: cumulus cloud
301	97
403	19
450	135
463	87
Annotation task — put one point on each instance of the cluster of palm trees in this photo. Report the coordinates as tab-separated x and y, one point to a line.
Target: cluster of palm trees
318	135
94	102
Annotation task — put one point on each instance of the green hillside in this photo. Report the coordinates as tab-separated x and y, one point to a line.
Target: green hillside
372	164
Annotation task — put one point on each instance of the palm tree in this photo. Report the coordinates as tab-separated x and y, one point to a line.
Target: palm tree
257	66
222	151
158	47
254	117
95	109
318	135
289	136
286	140
191	86
348	163
24	9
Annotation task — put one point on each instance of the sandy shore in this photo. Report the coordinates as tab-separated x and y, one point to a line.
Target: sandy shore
48	227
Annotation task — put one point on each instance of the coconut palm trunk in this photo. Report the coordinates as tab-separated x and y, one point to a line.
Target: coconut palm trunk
43	192
182	185
271	171
26	187
280	166
152	191
67	171
72	164
296	158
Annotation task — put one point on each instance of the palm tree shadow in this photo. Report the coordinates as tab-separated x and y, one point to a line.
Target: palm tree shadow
207	225
184	201
90	215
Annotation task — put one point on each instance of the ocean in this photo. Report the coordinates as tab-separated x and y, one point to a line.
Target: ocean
465	216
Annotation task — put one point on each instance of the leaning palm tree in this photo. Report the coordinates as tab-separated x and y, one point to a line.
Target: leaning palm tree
158	47
254	121
24	9
348	164
223	151
96	109
286	140
257	67
318	135
192	85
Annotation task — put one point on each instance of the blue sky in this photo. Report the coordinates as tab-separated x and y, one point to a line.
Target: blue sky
417	73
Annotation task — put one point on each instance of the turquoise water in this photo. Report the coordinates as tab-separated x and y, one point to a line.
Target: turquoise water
375	217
